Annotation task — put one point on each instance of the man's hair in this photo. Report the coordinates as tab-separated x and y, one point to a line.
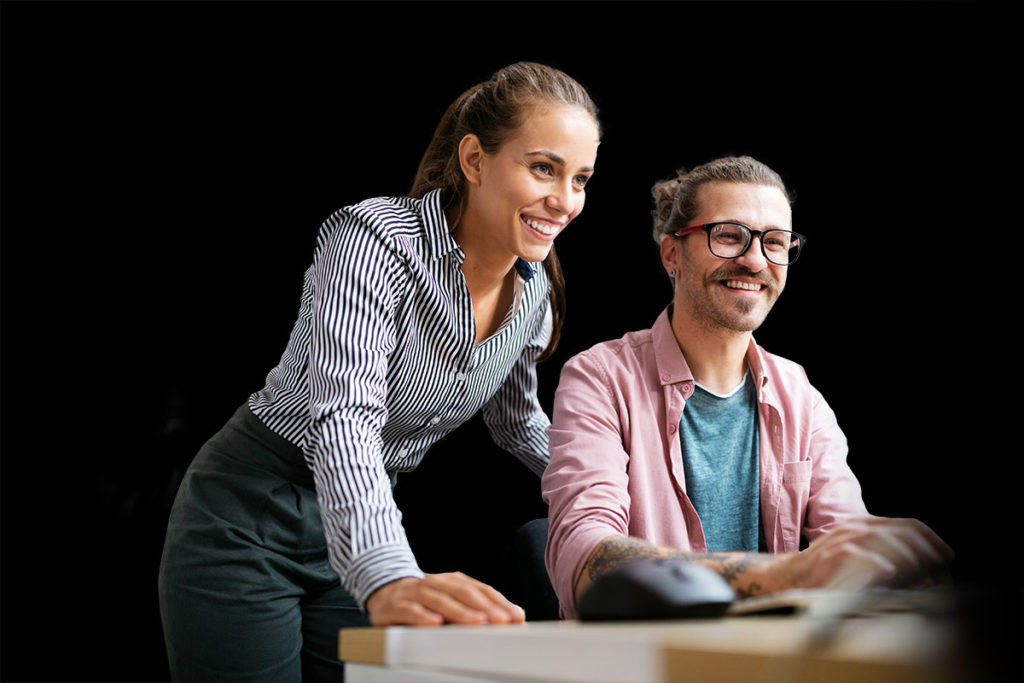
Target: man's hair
675	199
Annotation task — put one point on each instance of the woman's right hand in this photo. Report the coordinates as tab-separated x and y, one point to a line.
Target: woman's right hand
451	598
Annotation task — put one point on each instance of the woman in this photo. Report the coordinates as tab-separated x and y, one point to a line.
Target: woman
416	312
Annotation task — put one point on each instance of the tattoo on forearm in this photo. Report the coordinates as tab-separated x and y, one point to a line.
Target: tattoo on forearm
616	551
732	566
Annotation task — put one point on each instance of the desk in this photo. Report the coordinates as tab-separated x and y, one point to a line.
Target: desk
806	646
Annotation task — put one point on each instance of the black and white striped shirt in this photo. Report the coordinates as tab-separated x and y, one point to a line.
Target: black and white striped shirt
382	362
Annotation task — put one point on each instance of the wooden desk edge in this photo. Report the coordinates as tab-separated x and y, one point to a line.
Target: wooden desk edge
365	645
680	661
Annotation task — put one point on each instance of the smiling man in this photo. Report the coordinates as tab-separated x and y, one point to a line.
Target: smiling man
689	439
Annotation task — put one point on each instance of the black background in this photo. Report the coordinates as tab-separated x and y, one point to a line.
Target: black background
166	166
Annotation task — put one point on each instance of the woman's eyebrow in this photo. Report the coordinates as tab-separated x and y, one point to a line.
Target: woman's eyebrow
555	158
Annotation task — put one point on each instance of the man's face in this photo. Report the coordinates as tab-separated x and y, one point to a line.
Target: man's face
729	294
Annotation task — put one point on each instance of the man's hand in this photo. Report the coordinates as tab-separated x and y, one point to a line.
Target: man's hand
876	551
869	552
438	599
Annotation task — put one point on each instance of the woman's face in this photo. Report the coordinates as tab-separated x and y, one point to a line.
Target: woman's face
523	195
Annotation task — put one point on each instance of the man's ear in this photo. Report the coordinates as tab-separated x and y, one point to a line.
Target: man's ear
471	156
670	253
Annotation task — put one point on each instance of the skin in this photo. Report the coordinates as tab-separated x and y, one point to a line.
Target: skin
876	551
538	175
713	322
712	319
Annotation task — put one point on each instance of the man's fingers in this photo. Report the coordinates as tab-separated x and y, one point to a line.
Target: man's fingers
912	545
881	551
860	568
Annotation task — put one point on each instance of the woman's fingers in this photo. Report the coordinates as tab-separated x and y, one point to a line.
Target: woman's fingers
441	598
404	612
478	596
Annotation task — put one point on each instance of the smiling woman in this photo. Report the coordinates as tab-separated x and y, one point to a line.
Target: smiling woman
519	199
416	313
512	108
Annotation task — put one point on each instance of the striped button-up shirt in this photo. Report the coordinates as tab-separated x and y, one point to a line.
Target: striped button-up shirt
382	362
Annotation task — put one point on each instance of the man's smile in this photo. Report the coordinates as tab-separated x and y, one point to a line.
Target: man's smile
749	286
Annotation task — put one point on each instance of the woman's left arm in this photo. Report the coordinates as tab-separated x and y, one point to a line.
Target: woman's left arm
514	416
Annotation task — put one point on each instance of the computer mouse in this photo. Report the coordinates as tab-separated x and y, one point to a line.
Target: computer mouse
662	588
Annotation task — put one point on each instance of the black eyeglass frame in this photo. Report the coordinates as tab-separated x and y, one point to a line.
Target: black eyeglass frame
797	239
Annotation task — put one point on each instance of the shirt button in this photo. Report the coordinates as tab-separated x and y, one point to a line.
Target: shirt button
434	420
459	376
404	452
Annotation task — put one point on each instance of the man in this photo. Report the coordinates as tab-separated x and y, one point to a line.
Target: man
689	439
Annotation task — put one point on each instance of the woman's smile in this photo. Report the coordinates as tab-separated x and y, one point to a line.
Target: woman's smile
543	229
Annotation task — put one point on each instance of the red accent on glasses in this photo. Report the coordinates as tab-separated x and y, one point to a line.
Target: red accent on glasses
681	232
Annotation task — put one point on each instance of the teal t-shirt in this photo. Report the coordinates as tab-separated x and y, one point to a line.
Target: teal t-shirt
719	436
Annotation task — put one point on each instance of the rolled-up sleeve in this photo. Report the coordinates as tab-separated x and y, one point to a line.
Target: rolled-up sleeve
586	482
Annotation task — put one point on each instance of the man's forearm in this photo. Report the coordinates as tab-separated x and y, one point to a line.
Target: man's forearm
872	551
744	571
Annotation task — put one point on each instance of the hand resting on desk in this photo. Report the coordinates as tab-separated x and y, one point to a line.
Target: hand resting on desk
441	598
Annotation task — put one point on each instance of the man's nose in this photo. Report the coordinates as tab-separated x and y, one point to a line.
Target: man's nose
753	258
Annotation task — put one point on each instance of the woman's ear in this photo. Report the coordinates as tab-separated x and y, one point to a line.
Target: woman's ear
471	155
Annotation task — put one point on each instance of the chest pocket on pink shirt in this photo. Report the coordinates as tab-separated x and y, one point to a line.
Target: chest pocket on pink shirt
796	488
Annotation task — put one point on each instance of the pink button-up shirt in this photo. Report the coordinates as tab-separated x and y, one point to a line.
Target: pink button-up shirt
616	461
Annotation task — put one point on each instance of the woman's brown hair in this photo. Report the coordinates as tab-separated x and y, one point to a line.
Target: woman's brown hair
492	111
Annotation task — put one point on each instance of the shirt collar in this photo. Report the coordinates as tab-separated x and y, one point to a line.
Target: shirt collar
756	365
439	236
672	366
524	269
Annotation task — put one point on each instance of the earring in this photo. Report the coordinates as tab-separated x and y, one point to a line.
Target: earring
672	273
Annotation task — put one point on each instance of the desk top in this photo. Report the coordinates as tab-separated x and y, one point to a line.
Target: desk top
883	647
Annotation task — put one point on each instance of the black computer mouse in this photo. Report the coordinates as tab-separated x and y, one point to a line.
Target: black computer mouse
663	588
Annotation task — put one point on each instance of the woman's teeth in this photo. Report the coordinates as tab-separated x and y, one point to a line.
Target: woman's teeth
541	227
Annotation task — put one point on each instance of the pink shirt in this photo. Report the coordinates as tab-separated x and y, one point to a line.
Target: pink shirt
616	461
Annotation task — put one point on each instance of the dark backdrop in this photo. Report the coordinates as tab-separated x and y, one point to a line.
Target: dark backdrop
166	167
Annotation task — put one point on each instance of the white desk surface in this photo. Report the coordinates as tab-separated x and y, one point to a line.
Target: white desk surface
897	647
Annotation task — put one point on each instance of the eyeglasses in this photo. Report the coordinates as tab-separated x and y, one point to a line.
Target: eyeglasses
731	240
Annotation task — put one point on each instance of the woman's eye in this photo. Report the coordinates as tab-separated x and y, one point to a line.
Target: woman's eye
581	180
543	168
